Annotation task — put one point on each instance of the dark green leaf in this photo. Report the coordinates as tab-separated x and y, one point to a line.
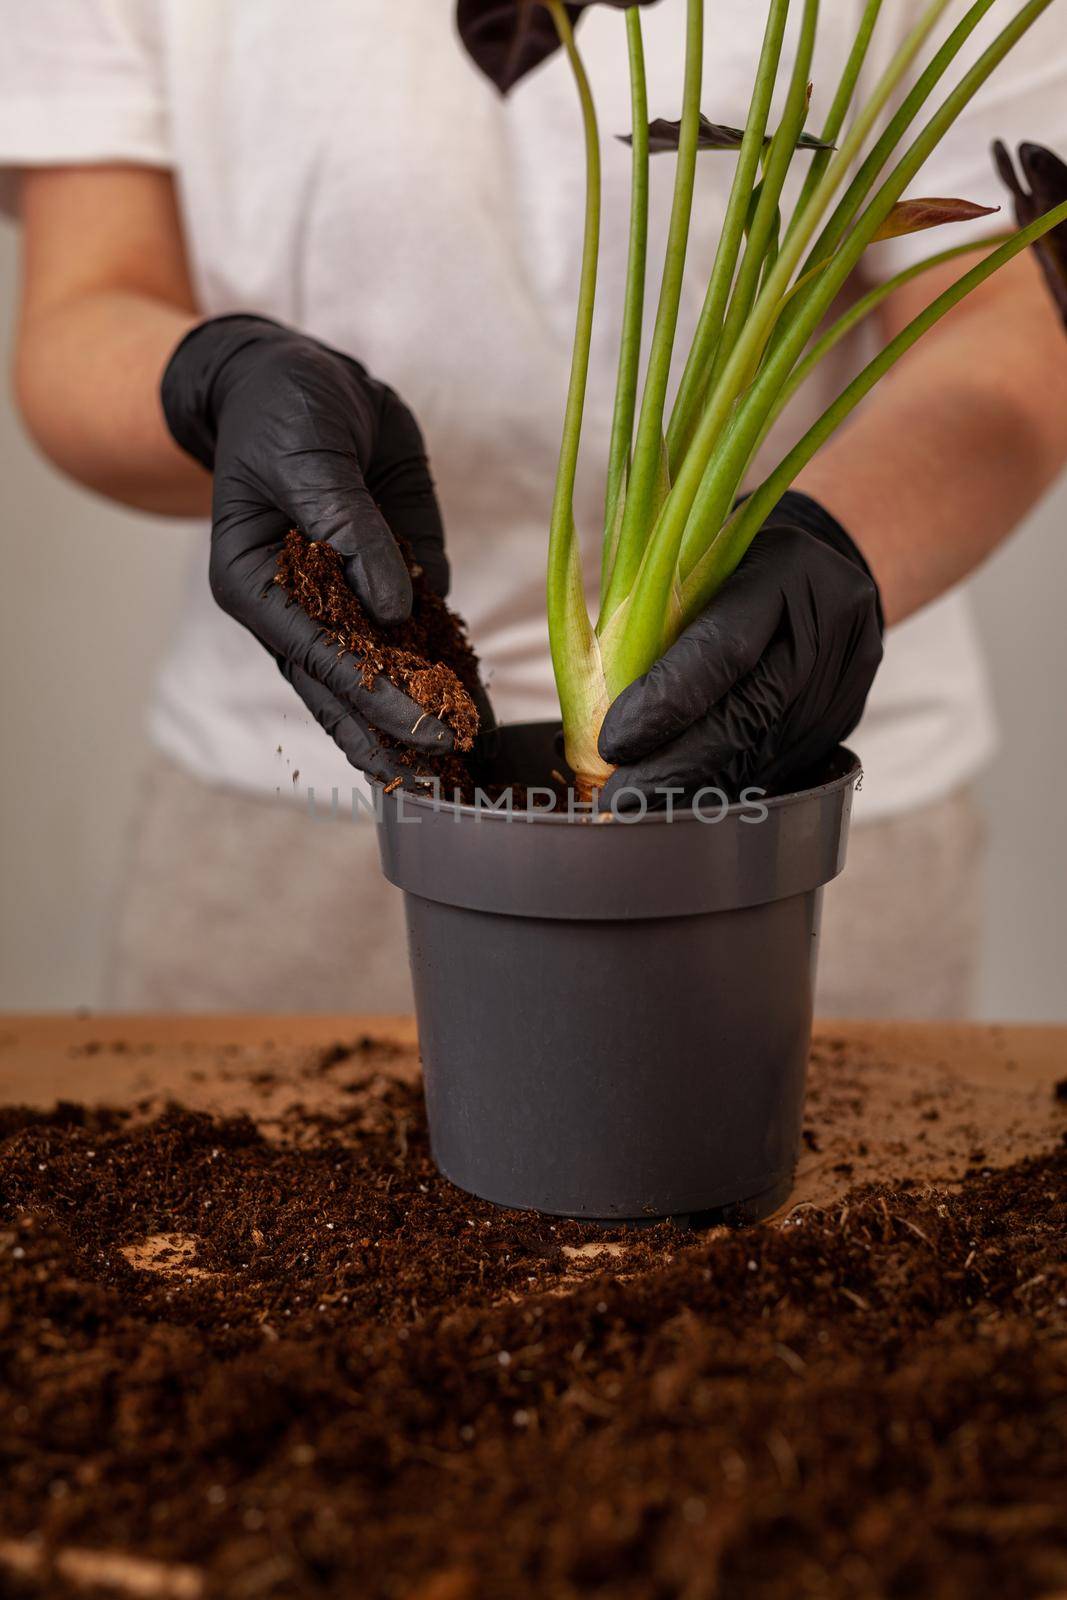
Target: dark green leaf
912	216
663	135
1047	176
508	38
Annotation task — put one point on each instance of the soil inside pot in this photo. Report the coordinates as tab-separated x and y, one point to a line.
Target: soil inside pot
308	1365
429	656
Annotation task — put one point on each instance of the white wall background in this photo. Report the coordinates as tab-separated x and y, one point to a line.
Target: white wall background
88	595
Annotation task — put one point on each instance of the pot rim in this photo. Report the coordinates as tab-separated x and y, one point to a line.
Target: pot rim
583	815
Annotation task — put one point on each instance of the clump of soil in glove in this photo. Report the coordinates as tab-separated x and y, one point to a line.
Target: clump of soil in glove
429	656
237	1366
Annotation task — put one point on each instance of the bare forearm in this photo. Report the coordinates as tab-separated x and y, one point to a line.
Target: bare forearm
966	436
106	296
87	378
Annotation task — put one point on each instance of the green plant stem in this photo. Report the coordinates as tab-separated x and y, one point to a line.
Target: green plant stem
721	559
770	305
683	518
645	475
575	654
861	185
835	166
770	255
862	309
864	180
622	425
722	472
762	234
839	106
694	379
641	640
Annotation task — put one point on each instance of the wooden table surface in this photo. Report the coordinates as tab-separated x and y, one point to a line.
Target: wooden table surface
886	1101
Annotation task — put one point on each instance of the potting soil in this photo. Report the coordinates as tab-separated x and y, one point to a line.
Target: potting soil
306	1365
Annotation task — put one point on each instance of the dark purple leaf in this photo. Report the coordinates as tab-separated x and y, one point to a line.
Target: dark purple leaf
1047	176
664	135
508	38
912	216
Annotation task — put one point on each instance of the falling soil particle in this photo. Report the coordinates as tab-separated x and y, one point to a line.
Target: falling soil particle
381	1386
429	656
1060	1092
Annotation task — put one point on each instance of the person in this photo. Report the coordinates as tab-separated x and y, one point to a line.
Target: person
283	219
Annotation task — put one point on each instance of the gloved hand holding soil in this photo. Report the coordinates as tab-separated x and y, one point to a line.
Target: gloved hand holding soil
427	657
299	436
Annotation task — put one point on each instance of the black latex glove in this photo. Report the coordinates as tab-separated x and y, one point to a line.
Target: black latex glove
769	678
299	435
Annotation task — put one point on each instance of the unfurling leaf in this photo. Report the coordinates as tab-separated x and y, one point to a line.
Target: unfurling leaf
508	38
1047	176
664	135
912	216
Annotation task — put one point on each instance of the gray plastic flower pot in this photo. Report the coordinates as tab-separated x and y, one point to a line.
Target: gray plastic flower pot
615	1017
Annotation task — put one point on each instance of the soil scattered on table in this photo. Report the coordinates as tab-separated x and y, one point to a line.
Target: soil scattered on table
236	1366
429	656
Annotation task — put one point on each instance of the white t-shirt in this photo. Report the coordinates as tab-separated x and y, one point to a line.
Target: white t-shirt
343	167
